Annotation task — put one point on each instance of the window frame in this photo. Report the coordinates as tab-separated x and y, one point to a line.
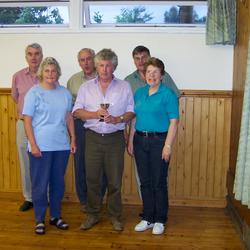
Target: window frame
76	20
35	4
86	19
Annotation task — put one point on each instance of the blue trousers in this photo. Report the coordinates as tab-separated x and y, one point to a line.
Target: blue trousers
79	164
48	171
153	172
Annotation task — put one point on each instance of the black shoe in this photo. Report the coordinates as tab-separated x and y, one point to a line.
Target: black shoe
26	206
59	223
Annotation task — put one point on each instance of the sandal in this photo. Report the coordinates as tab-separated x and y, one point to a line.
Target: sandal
40	228
59	223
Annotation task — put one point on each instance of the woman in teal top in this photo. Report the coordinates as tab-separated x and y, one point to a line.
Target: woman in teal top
151	138
50	130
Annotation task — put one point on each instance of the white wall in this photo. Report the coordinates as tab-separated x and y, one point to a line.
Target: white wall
191	63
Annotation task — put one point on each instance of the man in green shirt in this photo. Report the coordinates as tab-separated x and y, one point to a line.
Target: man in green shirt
137	79
88	72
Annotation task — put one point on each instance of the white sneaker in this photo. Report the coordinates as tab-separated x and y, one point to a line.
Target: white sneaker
158	228
143	225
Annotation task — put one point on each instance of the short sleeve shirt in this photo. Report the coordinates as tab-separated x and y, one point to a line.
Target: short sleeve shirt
154	112
48	109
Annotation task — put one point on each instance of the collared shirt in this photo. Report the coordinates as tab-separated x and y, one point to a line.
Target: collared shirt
154	112
119	96
136	82
22	81
76	80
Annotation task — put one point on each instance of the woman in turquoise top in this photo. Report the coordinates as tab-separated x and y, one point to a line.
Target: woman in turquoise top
151	138
50	130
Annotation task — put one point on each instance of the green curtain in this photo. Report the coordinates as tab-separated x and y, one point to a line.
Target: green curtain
221	22
242	174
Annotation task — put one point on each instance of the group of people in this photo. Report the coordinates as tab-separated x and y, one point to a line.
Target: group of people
90	118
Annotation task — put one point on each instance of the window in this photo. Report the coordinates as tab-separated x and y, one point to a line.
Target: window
144	13
34	13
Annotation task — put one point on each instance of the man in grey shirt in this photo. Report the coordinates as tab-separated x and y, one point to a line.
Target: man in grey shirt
86	62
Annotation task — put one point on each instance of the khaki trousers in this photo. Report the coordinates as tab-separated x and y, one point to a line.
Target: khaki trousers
22	147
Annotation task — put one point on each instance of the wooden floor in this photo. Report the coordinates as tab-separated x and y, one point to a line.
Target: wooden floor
188	228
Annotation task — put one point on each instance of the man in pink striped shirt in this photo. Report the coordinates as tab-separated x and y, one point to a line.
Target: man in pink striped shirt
22	81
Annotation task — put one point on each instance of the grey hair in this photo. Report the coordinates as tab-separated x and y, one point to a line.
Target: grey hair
106	55
49	61
91	51
34	46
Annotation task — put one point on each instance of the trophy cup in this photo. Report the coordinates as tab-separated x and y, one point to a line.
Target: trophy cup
104	106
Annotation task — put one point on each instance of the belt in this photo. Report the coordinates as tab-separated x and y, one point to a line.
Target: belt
105	134
150	134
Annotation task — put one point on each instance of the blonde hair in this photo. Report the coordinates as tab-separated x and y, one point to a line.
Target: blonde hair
49	61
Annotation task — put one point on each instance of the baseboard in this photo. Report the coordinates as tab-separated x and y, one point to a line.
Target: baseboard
241	226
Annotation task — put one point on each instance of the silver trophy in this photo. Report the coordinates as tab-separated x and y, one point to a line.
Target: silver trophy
104	106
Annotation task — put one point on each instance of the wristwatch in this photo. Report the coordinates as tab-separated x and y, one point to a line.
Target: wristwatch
122	118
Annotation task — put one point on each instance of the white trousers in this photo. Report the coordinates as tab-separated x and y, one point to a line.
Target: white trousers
22	147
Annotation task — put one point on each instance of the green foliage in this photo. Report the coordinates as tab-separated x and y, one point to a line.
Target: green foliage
97	17
135	15
182	15
30	15
9	15
171	16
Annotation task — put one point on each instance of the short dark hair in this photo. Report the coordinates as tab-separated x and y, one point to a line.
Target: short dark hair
156	63
140	49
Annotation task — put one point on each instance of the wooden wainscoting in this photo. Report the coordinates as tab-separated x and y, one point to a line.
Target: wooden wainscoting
197	174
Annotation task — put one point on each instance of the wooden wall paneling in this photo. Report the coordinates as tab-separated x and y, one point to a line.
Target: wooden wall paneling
5	143
198	163
196	148
203	147
14	167
211	147
172	170
127	180
1	145
127	175
219	148
189	125
179	189
226	144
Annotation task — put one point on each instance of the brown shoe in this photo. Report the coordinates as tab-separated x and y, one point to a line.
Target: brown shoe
117	224
89	222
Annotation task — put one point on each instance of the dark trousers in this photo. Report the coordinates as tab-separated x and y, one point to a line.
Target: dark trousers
104	154
48	171
79	164
153	172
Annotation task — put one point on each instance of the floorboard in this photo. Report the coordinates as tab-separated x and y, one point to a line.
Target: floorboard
188	228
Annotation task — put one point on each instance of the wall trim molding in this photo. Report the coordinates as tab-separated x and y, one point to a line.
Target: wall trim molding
184	92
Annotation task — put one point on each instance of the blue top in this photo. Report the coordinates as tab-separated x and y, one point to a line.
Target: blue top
153	113
48	109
